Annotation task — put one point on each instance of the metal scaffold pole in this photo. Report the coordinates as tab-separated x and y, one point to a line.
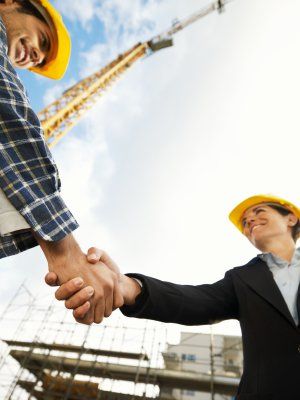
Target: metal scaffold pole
212	364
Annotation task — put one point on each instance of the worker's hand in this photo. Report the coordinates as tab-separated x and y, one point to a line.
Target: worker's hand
81	303
100	283
78	298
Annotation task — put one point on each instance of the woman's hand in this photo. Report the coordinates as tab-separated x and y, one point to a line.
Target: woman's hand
77	297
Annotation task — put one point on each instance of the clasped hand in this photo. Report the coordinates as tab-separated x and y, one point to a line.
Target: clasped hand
95	292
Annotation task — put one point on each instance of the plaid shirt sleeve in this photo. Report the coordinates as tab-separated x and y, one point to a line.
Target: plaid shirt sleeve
28	174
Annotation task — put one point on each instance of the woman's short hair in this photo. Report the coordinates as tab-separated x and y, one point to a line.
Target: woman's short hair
285	211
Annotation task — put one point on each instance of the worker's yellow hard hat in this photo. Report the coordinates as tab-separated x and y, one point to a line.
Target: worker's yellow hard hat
237	213
58	62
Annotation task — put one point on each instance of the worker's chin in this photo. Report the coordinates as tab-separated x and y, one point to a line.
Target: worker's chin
19	65
12	51
259	242
22	66
11	58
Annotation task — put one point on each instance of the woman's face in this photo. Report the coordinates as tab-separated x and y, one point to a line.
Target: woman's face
262	224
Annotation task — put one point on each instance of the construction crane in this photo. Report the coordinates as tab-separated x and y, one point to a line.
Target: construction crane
60	116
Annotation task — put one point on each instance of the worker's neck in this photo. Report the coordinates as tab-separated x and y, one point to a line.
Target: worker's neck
283	248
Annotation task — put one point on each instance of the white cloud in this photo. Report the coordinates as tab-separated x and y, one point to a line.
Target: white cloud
77	11
125	23
56	91
85	167
98	55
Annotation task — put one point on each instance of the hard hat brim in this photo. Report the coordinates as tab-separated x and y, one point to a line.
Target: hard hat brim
237	213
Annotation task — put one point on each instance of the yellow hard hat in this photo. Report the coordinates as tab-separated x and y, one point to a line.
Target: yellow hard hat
237	213
57	65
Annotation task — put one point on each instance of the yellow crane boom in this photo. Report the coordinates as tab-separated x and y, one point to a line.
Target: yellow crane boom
60	116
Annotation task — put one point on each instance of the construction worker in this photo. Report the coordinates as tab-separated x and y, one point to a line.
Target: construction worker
32	211
262	295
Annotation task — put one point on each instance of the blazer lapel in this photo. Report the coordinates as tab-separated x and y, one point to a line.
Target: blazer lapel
258	276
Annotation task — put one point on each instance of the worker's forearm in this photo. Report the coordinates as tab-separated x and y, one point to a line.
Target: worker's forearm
60	252
130	289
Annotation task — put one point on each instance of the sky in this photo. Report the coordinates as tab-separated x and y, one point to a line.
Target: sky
153	170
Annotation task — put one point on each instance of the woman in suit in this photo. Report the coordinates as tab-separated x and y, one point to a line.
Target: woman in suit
262	295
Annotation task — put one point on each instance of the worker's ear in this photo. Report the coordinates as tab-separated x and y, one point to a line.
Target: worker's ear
292	219
9	3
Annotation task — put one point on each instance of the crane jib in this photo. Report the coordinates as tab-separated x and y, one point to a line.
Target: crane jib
59	117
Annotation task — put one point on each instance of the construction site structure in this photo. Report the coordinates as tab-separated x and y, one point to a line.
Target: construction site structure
215	355
60	116
45	355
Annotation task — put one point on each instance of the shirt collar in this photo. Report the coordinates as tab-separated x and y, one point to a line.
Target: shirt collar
272	260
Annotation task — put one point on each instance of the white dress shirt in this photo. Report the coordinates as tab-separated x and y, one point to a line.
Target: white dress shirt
10	219
287	278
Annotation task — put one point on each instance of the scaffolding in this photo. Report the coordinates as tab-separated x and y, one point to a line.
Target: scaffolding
46	355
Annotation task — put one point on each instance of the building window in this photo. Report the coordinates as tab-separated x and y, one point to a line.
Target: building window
188	392
188	357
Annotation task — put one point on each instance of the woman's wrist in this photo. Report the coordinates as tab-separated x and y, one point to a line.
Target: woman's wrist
130	289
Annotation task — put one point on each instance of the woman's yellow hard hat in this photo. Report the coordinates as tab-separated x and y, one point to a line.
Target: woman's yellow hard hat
57	65
237	213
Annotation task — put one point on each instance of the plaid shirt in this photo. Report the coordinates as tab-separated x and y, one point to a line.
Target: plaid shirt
28	174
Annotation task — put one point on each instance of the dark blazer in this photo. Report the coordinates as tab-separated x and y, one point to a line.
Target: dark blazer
271	339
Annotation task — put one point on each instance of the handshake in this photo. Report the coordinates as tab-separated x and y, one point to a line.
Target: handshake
90	284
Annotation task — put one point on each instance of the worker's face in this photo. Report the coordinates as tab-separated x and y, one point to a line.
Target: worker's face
29	39
262	224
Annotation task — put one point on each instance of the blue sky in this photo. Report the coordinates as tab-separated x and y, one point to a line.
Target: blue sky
82	40
153	170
